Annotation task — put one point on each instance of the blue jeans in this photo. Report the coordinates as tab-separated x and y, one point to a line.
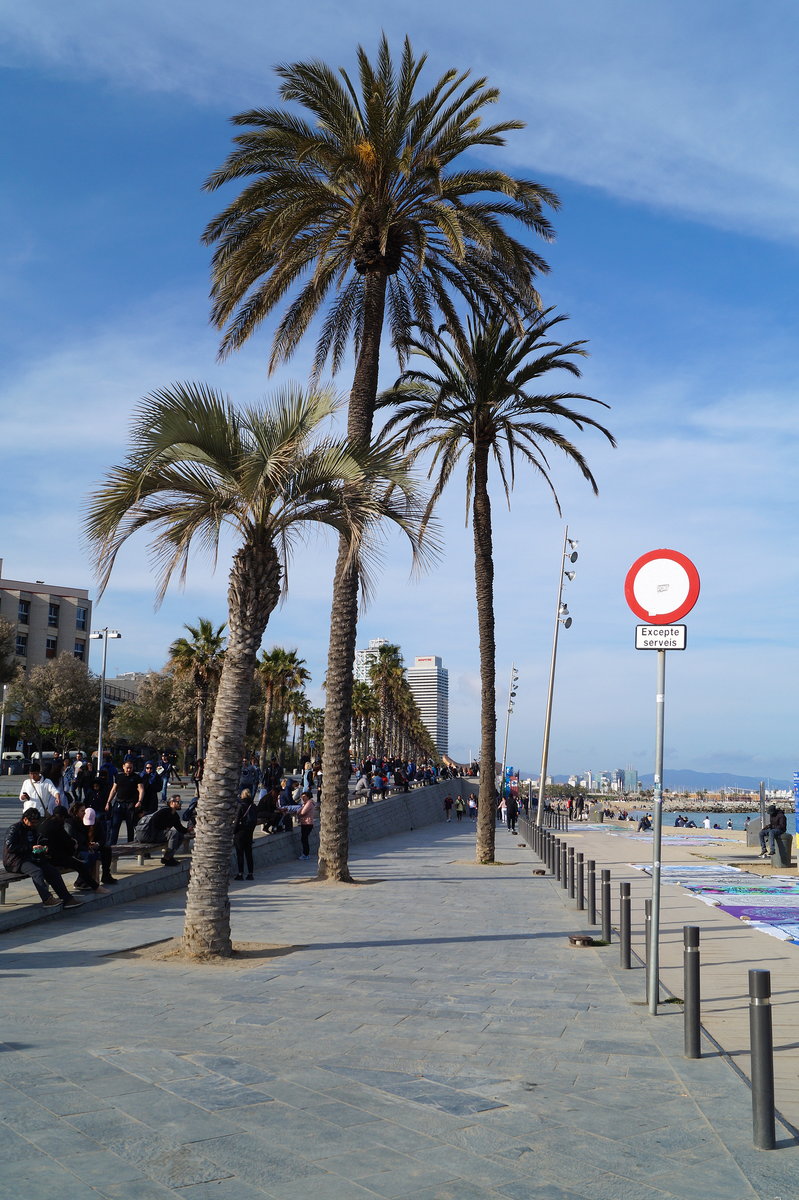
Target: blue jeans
772	834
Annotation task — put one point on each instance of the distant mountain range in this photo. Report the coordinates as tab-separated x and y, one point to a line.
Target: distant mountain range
711	781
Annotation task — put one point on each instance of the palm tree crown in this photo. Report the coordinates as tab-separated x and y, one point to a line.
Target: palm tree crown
479	394
364	187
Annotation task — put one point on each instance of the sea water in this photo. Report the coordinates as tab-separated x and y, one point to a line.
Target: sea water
715	818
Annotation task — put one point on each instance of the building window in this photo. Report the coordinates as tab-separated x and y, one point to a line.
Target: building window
51	647
80	619
22	645
80	650
52	616
24	612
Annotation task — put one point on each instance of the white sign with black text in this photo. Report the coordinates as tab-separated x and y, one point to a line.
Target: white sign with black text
660	637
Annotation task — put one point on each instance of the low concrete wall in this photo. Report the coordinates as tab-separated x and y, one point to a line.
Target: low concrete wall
368	822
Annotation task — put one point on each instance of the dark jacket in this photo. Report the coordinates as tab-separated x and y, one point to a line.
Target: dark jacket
60	846
166	818
246	818
17	845
778	822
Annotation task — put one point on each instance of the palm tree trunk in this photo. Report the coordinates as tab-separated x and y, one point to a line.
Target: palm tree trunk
484	588
253	592
334	815
265	730
202	697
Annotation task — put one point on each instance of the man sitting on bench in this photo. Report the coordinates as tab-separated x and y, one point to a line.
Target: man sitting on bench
164	828
23	854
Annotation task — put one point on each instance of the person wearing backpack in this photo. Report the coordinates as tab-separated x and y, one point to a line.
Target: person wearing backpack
164	828
243	830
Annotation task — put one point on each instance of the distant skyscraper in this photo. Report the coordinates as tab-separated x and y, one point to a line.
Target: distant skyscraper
429	683
365	658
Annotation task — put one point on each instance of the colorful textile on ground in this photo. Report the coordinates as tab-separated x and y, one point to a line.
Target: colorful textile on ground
770	905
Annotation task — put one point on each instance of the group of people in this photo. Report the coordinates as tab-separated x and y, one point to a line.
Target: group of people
72	818
375	777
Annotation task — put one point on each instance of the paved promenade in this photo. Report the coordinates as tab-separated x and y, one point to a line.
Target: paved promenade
429	1035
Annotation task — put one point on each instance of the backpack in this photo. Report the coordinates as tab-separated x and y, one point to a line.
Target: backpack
144	828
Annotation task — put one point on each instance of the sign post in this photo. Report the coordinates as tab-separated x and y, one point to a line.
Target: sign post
661	587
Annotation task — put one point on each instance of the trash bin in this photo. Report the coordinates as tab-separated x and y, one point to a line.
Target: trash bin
782	850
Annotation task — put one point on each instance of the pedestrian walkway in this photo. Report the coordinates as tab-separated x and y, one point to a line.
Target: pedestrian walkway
728	950
428	1035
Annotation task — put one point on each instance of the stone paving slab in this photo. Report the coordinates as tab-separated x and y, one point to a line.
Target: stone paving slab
429	1037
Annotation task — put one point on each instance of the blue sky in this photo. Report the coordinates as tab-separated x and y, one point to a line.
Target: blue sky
669	133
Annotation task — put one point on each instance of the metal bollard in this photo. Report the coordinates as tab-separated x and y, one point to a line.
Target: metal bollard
571	872
591	866
762	1055
580	880
647	941
564	869
605	888
556	857
690	975
625	959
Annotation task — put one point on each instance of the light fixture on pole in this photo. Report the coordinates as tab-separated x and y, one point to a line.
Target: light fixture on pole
568	555
105	634
514	681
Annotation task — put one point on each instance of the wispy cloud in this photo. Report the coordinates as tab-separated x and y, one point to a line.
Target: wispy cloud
685	107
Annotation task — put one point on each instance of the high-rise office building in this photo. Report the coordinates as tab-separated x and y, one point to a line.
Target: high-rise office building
364	659
429	683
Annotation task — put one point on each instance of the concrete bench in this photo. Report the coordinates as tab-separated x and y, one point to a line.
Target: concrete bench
782	850
9	877
144	850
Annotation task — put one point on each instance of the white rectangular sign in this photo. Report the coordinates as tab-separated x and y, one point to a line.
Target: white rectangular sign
660	637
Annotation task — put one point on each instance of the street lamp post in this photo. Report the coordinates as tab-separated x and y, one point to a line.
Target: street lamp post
105	633
514	679
569	554
3	726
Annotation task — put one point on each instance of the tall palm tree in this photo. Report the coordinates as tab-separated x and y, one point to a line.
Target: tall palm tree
199	658
479	399
365	709
196	465
385	673
359	206
281	671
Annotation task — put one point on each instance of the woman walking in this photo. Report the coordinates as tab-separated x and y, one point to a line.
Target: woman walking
243	831
306	824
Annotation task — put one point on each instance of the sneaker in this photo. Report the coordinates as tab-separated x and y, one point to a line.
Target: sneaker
52	902
109	881
169	862
71	902
239	877
249	876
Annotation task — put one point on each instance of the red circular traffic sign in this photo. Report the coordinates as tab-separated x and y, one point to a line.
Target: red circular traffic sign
662	586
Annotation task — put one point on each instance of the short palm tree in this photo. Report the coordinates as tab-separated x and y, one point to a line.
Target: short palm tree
358	205
197	465
199	658
479	399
